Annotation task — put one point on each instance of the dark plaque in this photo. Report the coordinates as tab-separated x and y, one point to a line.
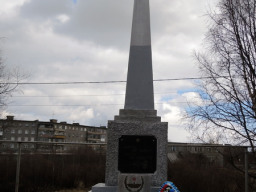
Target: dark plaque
137	154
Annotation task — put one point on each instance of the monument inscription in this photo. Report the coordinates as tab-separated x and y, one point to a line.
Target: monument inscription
137	154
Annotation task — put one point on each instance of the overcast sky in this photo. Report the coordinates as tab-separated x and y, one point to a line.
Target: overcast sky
89	40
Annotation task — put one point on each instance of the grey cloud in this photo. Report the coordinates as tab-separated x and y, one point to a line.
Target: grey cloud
44	9
104	22
93	45
108	23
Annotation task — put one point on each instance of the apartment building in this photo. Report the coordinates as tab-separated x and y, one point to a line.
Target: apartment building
18	130
217	154
50	131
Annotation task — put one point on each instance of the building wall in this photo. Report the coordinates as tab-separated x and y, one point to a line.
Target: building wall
50	131
216	154
18	130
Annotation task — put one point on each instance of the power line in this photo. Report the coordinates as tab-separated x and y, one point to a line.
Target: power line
65	95
91	105
103	95
104	82
65	83
61	105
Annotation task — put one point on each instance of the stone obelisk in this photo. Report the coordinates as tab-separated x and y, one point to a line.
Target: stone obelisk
137	139
139	88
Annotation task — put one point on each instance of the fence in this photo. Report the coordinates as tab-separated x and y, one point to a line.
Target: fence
58	148
214	152
54	150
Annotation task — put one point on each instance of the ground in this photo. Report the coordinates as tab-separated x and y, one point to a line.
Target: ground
74	190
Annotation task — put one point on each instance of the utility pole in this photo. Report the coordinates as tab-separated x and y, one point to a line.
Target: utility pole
246	169
17	181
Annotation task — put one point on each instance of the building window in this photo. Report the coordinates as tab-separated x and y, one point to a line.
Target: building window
1	131
26	131
12	145
102	139
13	131
19	131
7	130
32	139
25	138
13	138
19	138
33	132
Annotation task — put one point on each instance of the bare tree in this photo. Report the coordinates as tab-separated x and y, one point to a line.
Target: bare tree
228	91
9	82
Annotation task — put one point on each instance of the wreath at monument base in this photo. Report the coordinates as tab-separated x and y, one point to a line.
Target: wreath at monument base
168	187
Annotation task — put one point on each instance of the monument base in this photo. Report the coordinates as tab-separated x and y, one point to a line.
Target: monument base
147	126
101	187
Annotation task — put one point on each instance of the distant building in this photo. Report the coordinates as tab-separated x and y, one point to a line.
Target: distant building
217	154
51	131
17	130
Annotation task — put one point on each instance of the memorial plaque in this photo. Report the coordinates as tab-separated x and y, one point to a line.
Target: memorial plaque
137	154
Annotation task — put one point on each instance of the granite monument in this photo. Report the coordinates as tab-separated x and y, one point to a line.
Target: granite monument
137	139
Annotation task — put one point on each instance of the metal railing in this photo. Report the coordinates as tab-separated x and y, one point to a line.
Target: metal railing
19	150
219	146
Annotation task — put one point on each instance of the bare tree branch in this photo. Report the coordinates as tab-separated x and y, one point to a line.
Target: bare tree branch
229	95
6	89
